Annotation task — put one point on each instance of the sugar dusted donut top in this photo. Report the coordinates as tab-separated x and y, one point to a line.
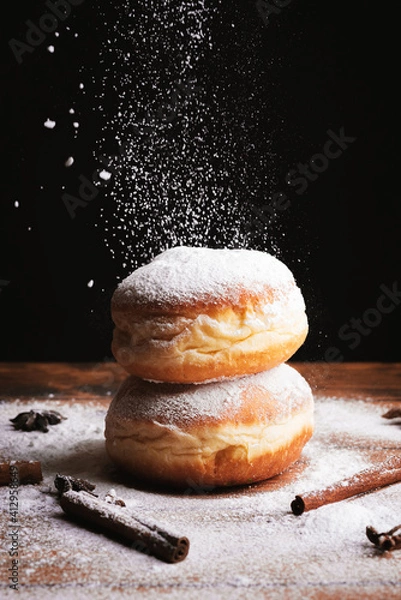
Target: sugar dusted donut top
287	391
184	276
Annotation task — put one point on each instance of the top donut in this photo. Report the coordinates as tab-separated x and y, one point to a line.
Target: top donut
201	314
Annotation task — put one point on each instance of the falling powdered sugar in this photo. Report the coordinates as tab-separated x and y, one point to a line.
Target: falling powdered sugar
189	159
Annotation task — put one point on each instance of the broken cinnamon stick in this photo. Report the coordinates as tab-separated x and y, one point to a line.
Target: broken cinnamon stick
20	472
147	537
393	413
383	474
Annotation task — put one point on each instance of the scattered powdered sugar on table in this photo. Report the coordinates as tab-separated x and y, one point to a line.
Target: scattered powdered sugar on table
243	541
364	423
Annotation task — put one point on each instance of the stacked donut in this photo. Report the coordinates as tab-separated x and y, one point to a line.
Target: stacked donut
204	335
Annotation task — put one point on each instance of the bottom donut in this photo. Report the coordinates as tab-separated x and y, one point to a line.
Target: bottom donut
226	433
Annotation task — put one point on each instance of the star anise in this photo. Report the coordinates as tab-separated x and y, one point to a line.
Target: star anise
384	541
33	420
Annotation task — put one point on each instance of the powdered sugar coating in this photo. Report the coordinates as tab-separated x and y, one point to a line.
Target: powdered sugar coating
245	543
172	404
186	275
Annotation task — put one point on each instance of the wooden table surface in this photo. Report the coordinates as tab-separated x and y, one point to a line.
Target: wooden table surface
83	381
72	385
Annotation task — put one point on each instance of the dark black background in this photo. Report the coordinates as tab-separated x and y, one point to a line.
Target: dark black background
332	65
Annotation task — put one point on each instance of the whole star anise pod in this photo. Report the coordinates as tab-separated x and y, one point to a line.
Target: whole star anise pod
39	421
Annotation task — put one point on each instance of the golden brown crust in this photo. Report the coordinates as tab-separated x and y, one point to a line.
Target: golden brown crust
224	342
197	314
228	467
192	307
247	430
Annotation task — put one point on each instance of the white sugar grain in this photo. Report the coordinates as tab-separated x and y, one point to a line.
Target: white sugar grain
105	175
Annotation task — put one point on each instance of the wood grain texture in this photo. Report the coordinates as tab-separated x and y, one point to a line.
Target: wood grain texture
378	381
57	570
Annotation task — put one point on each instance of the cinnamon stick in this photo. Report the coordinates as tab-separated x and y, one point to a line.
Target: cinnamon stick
147	537
382	474
20	472
393	413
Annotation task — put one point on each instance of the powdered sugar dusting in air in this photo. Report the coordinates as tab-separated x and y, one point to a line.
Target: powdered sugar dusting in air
49	124
181	139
